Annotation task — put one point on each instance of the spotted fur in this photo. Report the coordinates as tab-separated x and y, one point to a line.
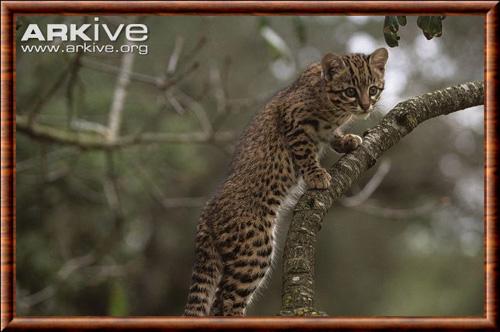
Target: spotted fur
277	157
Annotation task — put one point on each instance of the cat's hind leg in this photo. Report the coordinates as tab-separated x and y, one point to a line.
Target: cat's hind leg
206	275
246	261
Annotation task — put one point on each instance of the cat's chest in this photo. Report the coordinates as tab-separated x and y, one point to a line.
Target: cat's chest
341	118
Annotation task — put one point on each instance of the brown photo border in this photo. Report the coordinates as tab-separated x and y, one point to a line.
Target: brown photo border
9	9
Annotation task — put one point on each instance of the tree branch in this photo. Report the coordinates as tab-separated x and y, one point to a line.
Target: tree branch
117	106
88	141
299	251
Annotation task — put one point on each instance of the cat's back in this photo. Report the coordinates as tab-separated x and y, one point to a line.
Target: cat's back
261	152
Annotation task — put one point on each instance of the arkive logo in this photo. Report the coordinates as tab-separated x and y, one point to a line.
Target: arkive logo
133	32
85	38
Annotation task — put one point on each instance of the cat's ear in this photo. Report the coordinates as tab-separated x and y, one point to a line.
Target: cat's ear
330	65
378	59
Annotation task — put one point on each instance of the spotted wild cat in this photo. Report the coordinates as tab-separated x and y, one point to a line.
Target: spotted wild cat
277	155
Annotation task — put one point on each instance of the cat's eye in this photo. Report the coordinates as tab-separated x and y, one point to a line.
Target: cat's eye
350	92
373	90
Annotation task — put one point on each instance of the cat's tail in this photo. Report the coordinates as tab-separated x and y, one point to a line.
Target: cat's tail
207	272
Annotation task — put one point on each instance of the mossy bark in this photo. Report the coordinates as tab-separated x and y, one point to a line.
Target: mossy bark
299	251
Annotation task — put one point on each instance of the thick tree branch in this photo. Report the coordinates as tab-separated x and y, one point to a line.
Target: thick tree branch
298	260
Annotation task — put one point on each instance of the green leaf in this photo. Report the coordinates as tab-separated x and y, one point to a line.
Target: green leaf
401	20
391	28
431	26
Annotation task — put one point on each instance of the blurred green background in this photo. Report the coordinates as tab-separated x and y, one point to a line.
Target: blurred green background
111	232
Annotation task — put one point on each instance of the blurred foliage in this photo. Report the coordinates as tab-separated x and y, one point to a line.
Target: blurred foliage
391	28
431	27
413	248
277	46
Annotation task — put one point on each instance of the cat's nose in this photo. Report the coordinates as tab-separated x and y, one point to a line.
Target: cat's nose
365	106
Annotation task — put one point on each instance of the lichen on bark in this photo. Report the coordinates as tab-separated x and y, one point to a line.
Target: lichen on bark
299	250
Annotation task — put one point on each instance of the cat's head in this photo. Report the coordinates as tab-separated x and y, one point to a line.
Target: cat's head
354	82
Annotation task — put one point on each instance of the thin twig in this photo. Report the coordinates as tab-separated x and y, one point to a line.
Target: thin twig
198	110
72	81
386	212
370	187
111	69
116	111
173	60
219	92
195	50
44	98
176	105
70	267
89	126
111	188
167	202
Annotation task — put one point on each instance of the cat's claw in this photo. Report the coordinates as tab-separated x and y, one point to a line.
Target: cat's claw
351	142
319	179
347	143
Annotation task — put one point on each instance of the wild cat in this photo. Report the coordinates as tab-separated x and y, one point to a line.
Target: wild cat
279	150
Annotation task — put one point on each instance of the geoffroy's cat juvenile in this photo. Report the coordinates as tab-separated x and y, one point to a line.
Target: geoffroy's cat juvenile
277	156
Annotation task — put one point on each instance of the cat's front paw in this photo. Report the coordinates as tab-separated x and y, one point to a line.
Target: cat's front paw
351	142
319	179
347	143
